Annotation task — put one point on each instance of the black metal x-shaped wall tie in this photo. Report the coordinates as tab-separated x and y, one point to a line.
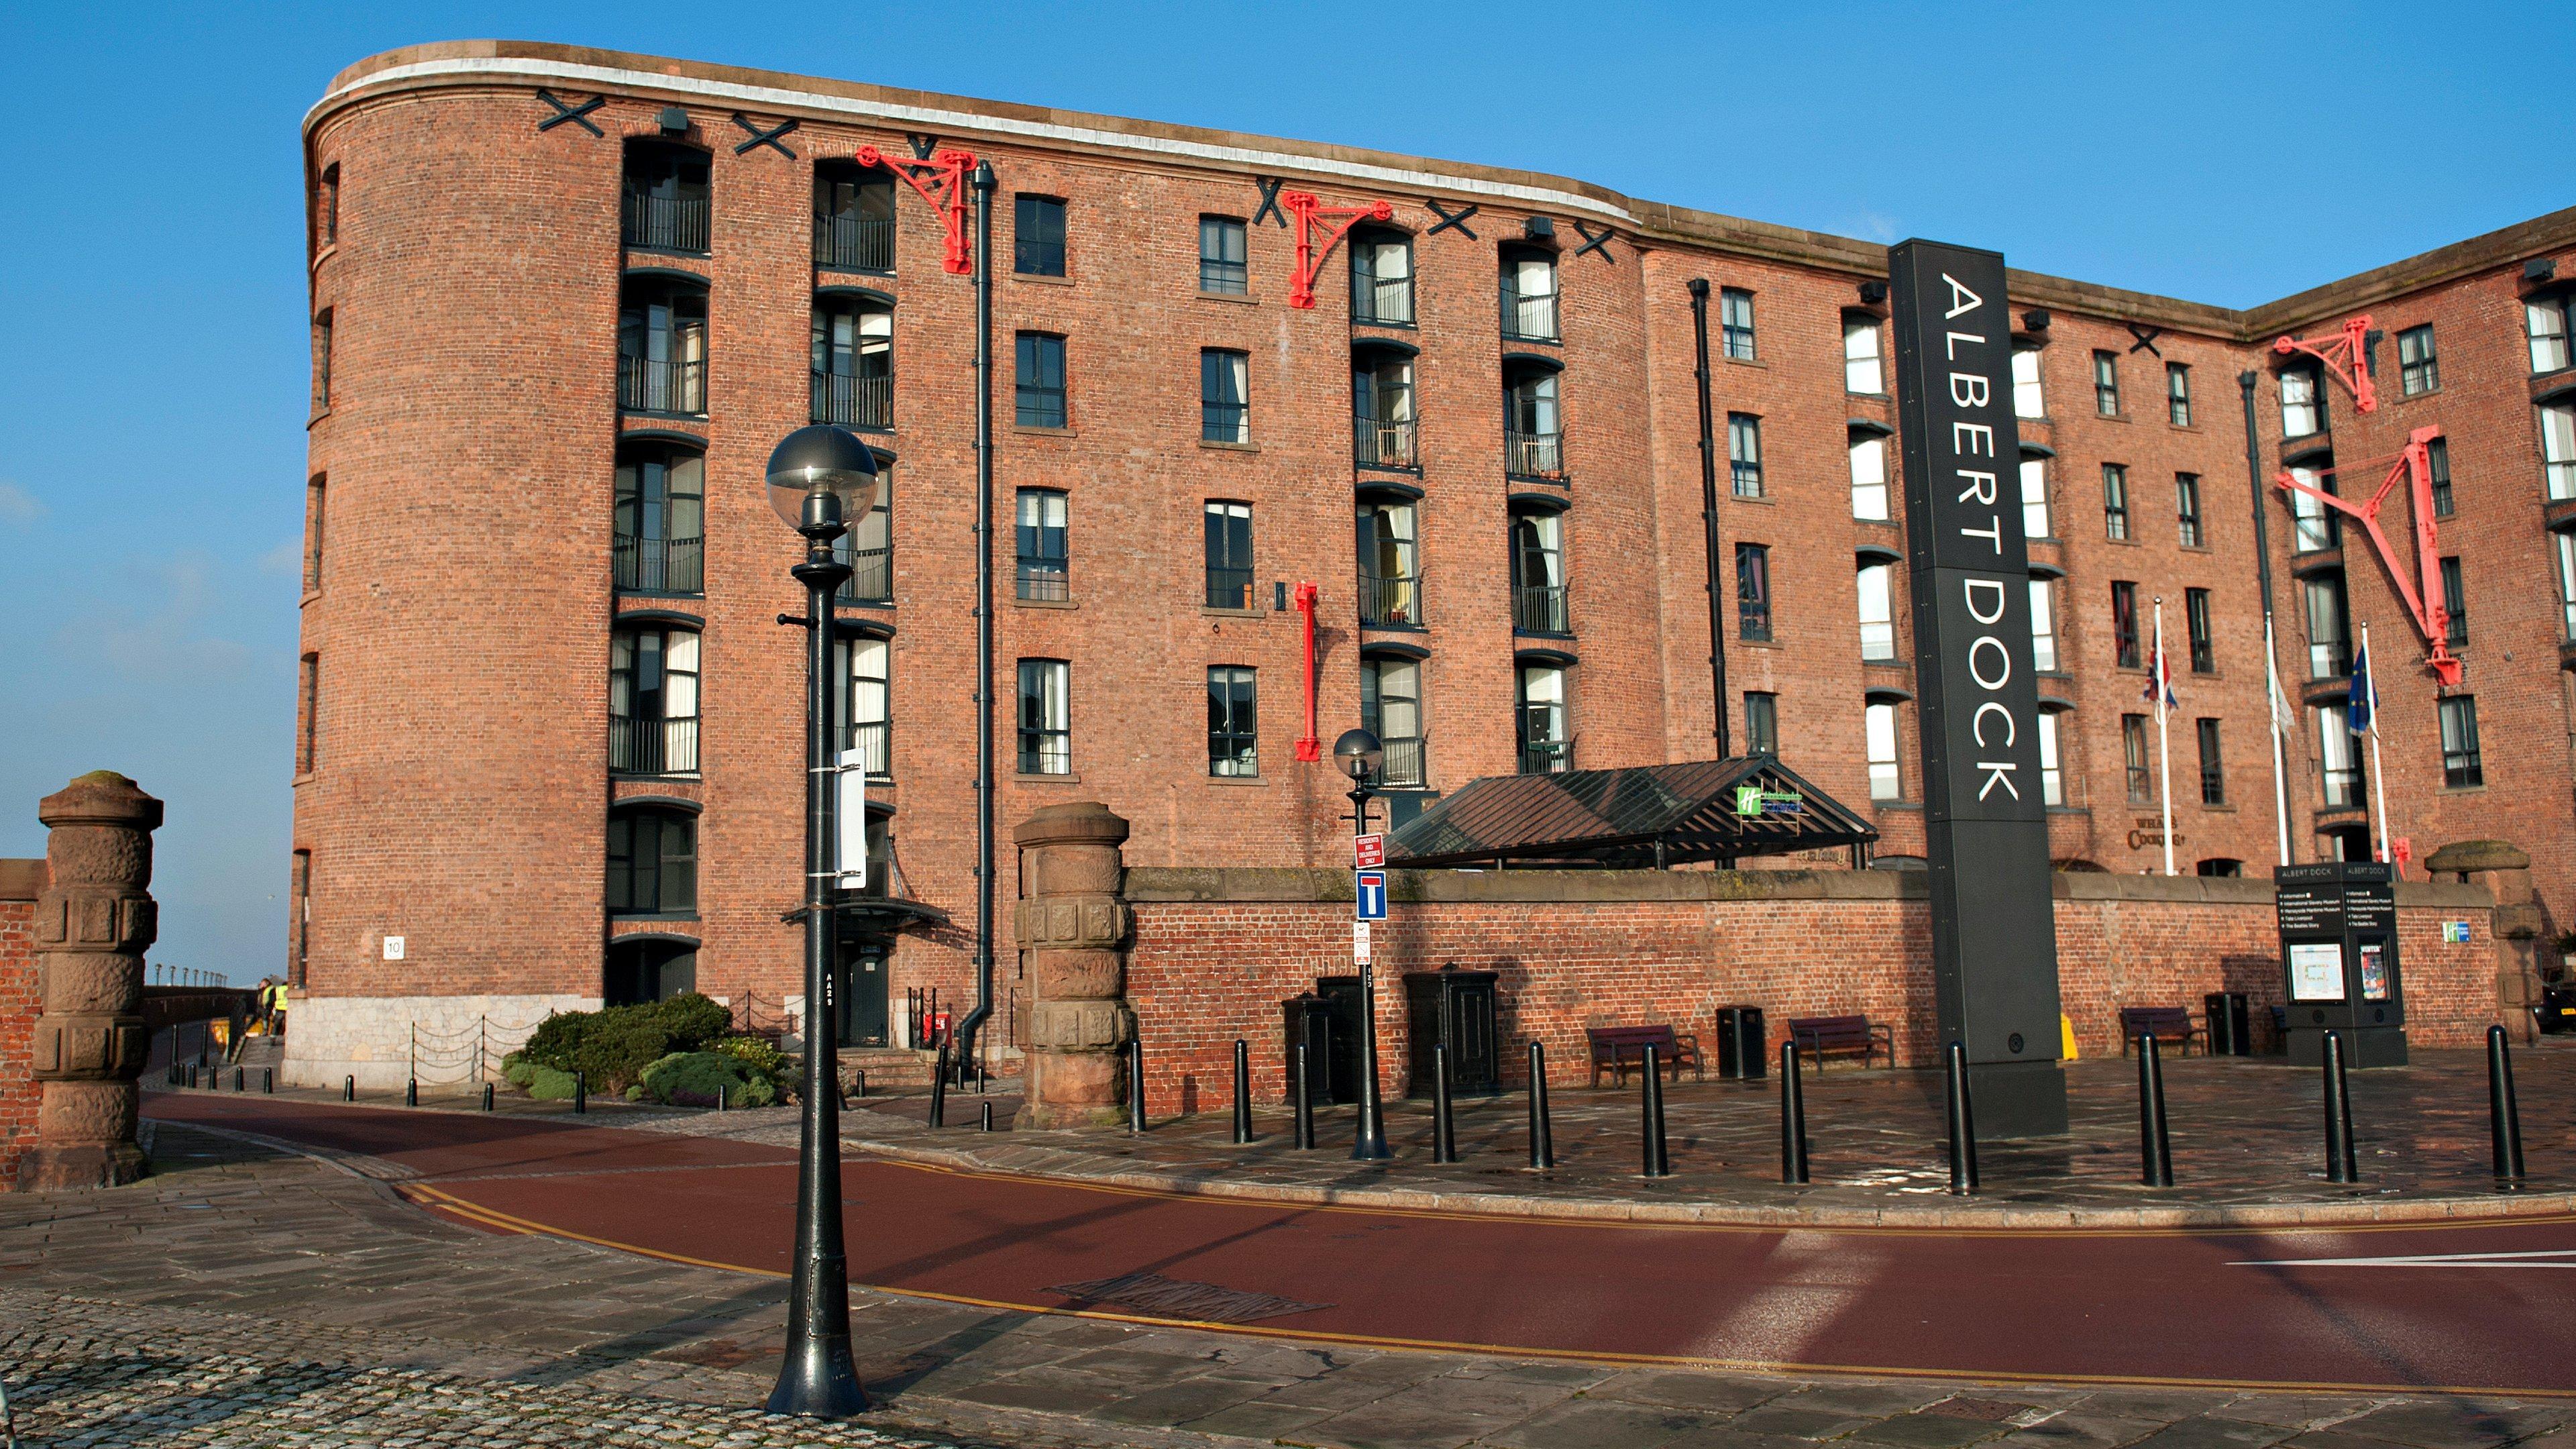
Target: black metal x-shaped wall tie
1593	243
921	145
1449	219
1269	200
768	138
2146	338
579	115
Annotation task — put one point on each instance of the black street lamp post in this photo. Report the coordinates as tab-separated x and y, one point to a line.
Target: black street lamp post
820	480
1359	755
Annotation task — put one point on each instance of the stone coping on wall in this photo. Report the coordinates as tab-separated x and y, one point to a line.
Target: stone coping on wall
21	880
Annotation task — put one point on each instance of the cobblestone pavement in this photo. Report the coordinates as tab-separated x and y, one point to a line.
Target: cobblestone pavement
246	1297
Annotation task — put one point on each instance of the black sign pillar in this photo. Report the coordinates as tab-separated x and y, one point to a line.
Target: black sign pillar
2339	961
1994	934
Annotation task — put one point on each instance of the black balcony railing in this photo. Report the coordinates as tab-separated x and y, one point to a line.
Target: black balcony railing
1546	757
653	746
661	565
1386	303
1539	609
1393	599
1533	455
1383	444
664	385
666	223
1529	319
871	579
871	739
1405	761
854	243
853	402
1229	588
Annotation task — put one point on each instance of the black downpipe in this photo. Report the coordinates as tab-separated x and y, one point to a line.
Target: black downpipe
973	1022
1708	519
2245	382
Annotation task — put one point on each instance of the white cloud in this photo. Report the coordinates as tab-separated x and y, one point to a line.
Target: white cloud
285	561
171	642
18	506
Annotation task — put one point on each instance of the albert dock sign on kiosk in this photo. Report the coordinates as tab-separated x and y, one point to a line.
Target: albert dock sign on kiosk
2338	924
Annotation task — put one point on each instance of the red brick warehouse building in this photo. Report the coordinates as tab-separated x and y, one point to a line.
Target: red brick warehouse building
565	302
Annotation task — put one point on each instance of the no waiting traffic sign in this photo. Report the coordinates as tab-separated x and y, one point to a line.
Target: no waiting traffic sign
1370	851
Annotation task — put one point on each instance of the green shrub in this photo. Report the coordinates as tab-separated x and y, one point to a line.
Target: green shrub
701	1079
613	1047
762	1062
548	1085
519	1070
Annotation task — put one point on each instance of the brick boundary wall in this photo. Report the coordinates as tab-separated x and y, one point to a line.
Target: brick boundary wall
1217	950
20	880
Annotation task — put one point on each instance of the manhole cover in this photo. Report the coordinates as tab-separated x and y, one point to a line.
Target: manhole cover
1174	1298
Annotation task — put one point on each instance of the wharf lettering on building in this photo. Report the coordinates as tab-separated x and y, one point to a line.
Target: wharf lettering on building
1994	939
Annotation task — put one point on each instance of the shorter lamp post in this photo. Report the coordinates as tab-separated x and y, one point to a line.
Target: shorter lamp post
820	479
1359	754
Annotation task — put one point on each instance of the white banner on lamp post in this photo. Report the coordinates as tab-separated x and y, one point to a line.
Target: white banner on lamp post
850	819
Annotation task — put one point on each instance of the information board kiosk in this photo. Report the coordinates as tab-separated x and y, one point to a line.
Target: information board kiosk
2339	961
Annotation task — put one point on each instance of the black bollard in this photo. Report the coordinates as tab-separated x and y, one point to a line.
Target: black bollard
1242	1092
983	1079
237	1079
2340	1166
1305	1104
1793	1116
348	1089
939	1091
411	1092
860	1083
2155	1149
988	1116
1963	1124
581	1093
1542	1133
268	1081
1656	1164
724	1090
1136	1085
1444	1120
2504	1118
487	1096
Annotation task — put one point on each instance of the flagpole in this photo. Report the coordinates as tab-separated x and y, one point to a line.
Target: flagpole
2164	756
2378	779
2273	707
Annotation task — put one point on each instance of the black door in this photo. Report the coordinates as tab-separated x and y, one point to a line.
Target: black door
861	989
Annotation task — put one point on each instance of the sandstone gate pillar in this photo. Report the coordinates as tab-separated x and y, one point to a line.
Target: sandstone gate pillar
92	924
2516	921
1073	926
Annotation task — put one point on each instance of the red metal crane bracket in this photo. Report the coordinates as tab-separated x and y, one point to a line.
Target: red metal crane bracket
1338	221
941	180
2423	593
2347	357
1309	748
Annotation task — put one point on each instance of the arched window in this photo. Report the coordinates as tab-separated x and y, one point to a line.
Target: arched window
867	546
853	357
1390	569
1529	294
1382	407
661	519
652	861
665	193
1391	709
853	218
1861	370
1877	591
1869	473
653	700
654	968
1381	278
662	346
1533	432
1538	573
861	661
1547	739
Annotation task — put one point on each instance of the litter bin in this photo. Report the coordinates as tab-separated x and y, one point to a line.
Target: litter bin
2231	1029
1311	1020
1740	1042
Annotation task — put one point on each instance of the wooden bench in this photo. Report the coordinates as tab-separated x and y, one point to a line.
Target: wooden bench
1820	1036
2164	1023
1621	1047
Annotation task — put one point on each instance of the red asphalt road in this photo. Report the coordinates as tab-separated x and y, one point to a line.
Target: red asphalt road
2125	1306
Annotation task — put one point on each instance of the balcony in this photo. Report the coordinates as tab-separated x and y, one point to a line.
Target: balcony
1547	757
871	579
1539	609
1394	600
853	402
661	565
846	243
1229	588
652	746
1377	444
1533	455
666	223
661	385
1528	319
1383	303
872	739
1405	761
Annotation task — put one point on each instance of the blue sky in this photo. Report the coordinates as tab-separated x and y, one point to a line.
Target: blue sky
152	453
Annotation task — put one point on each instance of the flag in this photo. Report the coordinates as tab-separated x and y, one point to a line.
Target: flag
2159	690
2361	706
2284	718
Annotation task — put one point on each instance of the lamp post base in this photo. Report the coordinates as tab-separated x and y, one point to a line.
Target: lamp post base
819	1380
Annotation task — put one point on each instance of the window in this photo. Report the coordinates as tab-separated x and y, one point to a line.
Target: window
2124	624
853	347
652	863
1390	574
1735	322
2564	544
1538	574
868	547
1761	723
2338	761
1533	446
1039	380
2226	867
2454	602
1037	235
1753	590
1878	725
2187	508
641	971
1868	474
1382	279
322	361
2106	384
2115	501
1877	612
2028	401
1225	411
1744	454
2461	766
1529	296
2557	441
662	348
2329	627
2034	498
314	497
1233	745
866	714
1042	572
664	189
2178	394
2043	626
326	207
2052	776
1382	408
2213	772
308	711
1861	370
2437	469
2195	613
2314	525
1229	555
1046	735
1391	709
299	925
653	701
1546	746
2303	402
660	545
2133	754
2546	319
1222	266
2418	370
853	218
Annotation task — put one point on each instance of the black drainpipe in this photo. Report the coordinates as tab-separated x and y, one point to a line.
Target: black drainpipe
1708	518
975	1019
2246	382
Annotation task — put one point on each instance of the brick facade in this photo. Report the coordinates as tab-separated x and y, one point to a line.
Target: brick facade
20	880
460	613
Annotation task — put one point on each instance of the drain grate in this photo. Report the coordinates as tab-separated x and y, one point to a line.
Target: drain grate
1175	1298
